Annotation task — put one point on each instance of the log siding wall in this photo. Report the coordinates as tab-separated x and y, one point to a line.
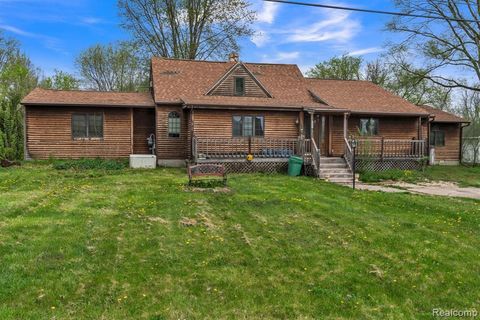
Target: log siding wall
451	150
218	123
226	87
171	148
49	133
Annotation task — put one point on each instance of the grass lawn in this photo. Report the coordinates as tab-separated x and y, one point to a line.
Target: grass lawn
464	176
91	244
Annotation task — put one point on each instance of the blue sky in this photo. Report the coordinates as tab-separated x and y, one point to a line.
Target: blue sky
53	32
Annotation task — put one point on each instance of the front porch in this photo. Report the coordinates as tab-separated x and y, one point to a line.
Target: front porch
250	154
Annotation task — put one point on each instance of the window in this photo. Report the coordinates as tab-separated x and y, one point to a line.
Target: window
174	124
87	125
248	126
368	126
437	138
239	86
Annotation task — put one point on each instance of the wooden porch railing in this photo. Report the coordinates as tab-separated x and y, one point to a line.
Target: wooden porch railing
222	148
315	152
348	154
390	148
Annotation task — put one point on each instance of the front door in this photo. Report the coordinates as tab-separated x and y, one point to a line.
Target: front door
321	133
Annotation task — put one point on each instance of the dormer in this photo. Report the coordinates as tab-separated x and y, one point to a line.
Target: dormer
238	81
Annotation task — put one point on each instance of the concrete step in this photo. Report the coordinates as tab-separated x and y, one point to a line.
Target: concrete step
333	165
332	160
336	175
335	170
344	180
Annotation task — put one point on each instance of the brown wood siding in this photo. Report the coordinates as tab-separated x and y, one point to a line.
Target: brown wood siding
451	150
169	147
226	87
218	123
388	127
143	126
49	133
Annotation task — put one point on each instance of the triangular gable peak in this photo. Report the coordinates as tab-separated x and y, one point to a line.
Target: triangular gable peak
225	86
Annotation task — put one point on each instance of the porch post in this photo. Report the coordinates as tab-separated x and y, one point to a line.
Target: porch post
311	125
420	131
301	117
345	125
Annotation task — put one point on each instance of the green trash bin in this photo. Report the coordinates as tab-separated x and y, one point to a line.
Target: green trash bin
295	166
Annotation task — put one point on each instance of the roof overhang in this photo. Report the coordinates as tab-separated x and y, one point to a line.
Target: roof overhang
241	107
85	105
394	114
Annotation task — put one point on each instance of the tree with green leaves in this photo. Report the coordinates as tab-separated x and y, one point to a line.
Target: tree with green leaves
60	80
340	68
18	76
187	29
113	67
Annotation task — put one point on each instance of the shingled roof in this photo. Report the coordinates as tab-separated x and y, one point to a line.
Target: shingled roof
188	82
443	116
361	97
41	96
180	81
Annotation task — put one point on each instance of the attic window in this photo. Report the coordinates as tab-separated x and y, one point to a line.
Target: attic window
239	86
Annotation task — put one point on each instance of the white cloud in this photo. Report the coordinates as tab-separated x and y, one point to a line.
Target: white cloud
336	26
47	41
91	20
268	12
361	52
260	38
18	31
283	57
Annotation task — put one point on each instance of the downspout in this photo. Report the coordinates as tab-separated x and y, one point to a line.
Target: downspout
460	150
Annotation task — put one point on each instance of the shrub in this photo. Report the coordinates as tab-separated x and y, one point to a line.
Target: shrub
86	164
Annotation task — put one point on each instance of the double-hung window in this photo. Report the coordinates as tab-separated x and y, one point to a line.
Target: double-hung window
87	125
368	126
248	126
437	137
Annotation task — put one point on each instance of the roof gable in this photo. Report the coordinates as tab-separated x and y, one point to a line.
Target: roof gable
225	85
178	81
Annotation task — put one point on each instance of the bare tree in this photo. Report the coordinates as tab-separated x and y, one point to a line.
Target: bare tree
113	68
469	108
450	38
188	29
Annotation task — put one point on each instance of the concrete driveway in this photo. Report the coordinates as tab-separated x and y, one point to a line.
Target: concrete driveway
436	188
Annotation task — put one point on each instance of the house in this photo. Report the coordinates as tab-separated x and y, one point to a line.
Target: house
219	112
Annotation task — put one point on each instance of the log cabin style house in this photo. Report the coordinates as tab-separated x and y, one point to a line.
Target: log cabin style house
220	112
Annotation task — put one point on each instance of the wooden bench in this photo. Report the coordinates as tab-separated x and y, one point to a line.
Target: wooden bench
203	172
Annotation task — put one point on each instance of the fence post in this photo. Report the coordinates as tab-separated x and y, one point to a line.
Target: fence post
249	144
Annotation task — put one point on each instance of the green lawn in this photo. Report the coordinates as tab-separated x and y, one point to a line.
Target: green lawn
463	175
90	244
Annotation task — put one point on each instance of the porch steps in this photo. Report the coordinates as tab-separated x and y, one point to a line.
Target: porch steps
336	170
